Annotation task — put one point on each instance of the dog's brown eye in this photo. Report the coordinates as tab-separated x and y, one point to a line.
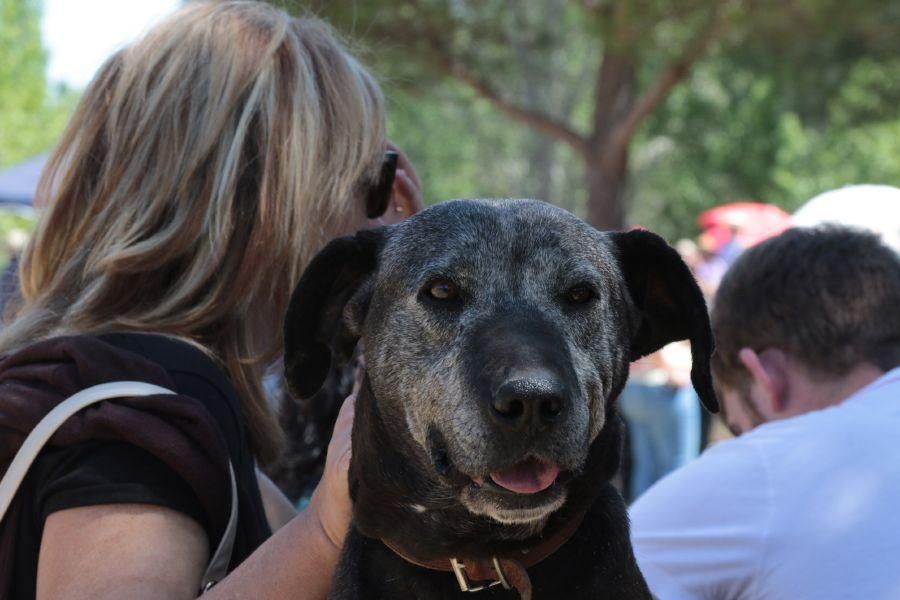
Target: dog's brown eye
442	290
579	294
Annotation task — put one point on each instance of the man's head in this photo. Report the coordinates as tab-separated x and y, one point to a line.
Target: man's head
803	320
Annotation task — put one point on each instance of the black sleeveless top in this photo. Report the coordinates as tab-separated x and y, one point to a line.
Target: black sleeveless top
109	472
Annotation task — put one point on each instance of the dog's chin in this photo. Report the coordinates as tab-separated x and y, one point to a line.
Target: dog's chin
528	512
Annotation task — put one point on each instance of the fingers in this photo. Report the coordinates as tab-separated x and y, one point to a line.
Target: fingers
359	376
337	461
331	500
343	426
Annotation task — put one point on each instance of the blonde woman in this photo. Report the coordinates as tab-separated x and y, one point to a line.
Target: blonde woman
203	168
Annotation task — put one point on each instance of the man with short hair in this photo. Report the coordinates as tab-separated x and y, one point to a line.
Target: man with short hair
805	502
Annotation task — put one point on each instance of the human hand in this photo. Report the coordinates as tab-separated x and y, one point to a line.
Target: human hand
330	502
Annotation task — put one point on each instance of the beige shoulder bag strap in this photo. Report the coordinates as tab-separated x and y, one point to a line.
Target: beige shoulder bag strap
218	565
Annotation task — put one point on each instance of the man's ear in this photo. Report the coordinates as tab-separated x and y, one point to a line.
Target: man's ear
670	304
315	328
768	369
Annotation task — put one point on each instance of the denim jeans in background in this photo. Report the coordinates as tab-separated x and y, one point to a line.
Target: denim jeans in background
663	431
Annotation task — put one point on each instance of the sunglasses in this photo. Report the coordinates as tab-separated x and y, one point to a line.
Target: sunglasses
380	193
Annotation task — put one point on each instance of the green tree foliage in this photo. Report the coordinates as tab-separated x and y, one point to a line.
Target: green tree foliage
661	108
31	114
573	72
747	129
463	150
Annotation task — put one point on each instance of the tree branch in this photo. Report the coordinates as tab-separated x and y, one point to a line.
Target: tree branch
596	7
533	118
599	11
671	75
446	60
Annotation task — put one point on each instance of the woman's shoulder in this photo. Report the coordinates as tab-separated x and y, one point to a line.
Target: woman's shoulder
175	355
194	373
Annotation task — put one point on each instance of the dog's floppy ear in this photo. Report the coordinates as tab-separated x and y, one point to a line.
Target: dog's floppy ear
315	328
671	305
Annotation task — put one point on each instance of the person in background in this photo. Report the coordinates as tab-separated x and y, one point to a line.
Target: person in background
711	267
660	407
203	168
9	280
663	416
803	502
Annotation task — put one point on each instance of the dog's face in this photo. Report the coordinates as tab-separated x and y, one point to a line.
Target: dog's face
496	333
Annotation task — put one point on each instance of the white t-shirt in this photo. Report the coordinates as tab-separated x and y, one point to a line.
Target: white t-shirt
803	508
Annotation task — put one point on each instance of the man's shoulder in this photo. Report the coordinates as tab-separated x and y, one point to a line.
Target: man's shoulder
734	467
712	512
729	523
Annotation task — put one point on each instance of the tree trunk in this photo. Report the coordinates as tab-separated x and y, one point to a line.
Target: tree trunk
606	175
540	168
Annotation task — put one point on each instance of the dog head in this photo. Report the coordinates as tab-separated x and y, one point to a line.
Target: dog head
497	336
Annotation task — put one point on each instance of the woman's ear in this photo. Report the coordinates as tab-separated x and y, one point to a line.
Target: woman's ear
406	195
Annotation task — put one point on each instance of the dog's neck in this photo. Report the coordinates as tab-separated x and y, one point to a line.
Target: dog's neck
509	572
398	496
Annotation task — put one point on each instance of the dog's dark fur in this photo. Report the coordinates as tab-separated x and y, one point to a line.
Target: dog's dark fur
427	432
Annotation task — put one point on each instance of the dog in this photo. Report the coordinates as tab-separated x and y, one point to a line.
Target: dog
497	336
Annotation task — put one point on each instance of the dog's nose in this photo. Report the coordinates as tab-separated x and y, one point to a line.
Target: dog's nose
529	404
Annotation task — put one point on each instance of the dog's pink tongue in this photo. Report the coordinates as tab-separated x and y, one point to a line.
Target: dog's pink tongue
528	477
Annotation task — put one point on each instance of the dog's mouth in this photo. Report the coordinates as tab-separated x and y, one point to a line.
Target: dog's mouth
524	493
529	476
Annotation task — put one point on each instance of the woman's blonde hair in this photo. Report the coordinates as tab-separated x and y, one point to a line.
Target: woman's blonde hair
203	167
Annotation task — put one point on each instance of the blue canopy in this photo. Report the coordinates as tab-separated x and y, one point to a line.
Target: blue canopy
17	183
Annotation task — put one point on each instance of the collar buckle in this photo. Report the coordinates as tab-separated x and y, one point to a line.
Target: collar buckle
467	585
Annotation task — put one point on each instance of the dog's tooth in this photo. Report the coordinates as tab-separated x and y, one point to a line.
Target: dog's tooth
418	508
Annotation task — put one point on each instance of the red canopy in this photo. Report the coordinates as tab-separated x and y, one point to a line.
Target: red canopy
752	222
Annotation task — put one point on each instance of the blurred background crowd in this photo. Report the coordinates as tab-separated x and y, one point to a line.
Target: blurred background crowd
716	123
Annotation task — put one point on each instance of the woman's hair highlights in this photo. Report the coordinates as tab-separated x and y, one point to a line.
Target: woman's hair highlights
203	168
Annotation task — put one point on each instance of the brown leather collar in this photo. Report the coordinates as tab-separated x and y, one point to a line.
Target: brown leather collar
477	575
